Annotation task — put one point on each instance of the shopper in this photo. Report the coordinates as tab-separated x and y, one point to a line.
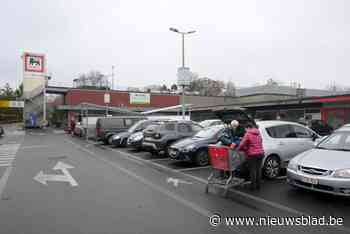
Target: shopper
72	125
233	134
252	146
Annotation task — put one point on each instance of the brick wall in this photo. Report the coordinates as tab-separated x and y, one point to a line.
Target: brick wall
118	98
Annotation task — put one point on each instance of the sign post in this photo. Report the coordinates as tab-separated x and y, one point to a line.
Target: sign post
107	100
34	85
184	78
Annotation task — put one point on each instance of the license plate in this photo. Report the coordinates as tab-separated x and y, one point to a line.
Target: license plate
309	180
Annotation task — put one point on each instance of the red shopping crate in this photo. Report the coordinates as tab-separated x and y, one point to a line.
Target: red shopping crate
219	157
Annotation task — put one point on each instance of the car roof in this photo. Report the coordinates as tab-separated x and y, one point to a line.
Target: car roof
345	127
181	121
271	123
215	126
122	117
211	120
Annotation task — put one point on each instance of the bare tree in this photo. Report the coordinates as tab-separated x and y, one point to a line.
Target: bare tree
230	89
174	87
7	91
93	79
206	86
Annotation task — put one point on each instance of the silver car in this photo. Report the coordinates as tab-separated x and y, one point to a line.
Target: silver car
282	141
326	168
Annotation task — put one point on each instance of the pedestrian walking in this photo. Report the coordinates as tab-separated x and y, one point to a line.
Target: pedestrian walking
252	146
72	125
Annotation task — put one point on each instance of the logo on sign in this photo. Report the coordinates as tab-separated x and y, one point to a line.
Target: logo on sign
34	63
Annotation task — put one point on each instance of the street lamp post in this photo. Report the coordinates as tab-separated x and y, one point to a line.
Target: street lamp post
46	80
183	63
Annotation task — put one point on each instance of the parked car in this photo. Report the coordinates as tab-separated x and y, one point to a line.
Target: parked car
135	140
346	126
195	149
120	139
321	128
282	141
226	115
79	130
158	139
210	122
108	126
2	132
326	168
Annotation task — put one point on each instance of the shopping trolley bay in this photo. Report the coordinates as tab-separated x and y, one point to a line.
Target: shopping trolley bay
121	190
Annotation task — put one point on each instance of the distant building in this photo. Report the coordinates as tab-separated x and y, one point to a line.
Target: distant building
283	90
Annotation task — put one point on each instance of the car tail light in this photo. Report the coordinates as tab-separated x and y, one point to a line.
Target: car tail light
98	132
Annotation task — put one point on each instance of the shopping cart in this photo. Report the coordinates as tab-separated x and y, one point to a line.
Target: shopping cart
225	162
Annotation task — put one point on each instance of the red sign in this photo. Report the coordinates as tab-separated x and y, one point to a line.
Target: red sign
34	63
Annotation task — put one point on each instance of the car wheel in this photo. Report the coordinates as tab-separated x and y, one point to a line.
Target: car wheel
109	140
272	167
123	142
167	149
202	158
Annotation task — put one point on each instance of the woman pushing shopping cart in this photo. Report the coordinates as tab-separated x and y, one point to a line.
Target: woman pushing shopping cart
227	159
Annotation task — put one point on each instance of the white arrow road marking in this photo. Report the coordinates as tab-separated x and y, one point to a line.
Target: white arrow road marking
66	177
176	182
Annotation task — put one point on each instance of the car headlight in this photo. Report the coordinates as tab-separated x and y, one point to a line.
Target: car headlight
189	148
342	173
138	137
292	166
116	137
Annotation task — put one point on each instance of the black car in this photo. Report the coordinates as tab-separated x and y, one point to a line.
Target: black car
2	132
195	149
120	139
226	115
159	139
321	128
135	140
108	126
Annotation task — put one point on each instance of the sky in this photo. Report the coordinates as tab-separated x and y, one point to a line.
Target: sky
245	41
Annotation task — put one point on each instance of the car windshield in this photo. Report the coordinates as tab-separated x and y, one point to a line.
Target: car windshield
337	141
209	132
135	126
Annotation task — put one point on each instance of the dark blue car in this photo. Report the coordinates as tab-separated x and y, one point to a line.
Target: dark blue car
195	149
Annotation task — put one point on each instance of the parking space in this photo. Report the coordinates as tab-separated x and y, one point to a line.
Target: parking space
102	172
275	193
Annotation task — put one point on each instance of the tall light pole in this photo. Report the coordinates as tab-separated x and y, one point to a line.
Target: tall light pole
112	77
47	77
183	63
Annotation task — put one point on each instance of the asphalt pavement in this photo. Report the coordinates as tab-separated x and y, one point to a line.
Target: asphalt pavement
54	183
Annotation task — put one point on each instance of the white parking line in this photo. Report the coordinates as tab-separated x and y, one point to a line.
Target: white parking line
6	159
194	168
3	180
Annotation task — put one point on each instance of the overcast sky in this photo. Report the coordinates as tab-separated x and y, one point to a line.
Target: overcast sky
247	41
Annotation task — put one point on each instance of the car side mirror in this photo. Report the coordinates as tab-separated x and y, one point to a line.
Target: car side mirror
314	137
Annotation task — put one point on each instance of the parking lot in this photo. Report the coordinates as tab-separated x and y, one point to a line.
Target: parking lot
274	193
119	190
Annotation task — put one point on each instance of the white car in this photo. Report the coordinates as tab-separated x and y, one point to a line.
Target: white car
282	141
